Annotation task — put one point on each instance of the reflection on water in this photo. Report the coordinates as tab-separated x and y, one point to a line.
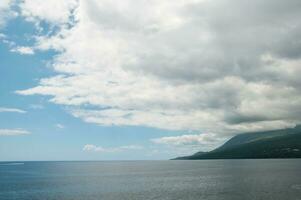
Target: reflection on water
187	180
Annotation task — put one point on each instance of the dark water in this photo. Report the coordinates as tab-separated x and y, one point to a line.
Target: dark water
187	180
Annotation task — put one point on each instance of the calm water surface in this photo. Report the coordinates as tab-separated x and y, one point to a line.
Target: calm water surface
162	180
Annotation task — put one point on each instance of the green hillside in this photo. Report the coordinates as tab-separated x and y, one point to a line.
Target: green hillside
284	143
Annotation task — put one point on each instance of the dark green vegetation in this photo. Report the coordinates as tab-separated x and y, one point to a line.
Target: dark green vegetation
285	143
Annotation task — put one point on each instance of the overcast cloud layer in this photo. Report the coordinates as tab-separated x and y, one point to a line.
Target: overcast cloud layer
217	67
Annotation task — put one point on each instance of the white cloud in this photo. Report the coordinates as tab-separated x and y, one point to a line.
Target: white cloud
180	65
2	36
54	11
36	106
93	148
60	126
5	11
13	132
23	50
186	139
191	142
16	110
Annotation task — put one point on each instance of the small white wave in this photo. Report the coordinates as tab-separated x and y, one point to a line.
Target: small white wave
15	163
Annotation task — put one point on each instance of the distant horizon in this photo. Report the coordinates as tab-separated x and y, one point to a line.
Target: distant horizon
148	160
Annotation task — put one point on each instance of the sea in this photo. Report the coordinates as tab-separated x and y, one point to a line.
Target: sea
271	179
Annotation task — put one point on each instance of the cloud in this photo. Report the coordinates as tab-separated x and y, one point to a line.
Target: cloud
16	110
40	10
6	12
185	139
178	65
36	106
23	50
93	148
60	126
13	132
190	142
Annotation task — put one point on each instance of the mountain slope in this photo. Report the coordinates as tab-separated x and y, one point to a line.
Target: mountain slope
252	137
284	143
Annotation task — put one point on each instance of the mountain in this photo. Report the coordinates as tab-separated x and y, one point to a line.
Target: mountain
284	143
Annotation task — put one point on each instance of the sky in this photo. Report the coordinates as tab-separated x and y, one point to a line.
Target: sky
144	80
